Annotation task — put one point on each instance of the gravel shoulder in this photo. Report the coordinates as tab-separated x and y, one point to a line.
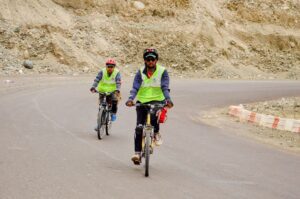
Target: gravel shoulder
282	140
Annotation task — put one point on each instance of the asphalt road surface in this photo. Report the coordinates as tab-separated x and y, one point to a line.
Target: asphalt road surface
48	148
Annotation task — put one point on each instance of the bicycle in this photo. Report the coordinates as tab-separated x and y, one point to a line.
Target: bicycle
104	116
148	133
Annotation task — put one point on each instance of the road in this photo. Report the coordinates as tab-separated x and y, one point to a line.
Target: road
48	148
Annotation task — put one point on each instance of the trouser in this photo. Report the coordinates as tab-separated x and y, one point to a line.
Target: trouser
141	113
111	99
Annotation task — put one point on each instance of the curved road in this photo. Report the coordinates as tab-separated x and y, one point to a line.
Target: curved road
48	148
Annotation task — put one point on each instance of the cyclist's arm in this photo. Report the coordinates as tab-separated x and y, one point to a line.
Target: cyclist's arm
137	82
118	81
165	80
97	79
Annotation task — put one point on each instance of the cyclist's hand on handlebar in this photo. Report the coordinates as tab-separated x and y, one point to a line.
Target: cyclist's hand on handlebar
129	103
118	94
169	103
93	90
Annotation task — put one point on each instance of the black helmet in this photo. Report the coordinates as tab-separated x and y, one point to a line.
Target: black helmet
150	52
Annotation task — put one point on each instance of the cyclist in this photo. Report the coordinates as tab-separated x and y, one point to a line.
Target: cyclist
151	84
109	80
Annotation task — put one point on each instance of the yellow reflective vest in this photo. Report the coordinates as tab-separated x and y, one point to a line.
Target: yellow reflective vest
108	83
150	89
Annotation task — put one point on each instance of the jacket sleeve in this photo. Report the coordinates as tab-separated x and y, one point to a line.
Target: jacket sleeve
137	82
97	79
118	81
165	81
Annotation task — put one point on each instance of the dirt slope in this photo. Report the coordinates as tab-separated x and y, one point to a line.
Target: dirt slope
258	39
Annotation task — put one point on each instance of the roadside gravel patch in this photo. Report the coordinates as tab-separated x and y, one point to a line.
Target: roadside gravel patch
284	107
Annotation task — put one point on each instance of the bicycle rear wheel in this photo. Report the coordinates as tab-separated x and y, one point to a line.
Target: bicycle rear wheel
147	154
101	122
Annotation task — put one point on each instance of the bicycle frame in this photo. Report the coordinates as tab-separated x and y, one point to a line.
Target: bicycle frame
104	104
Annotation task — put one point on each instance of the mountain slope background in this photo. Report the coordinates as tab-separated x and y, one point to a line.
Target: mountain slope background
232	39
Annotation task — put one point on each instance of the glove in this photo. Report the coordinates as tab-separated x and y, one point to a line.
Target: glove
118	95
129	103
169	103
93	90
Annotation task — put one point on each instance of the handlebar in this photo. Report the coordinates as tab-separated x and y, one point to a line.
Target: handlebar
104	93
151	105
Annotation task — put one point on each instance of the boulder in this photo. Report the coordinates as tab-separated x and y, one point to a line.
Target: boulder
28	64
139	5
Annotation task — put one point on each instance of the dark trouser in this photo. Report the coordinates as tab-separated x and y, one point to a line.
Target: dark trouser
141	113
111	99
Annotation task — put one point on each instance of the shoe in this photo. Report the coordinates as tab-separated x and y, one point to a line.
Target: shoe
157	139
113	117
136	159
151	148
96	128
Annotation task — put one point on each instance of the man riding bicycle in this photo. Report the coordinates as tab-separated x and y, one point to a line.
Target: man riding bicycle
151	85
108	80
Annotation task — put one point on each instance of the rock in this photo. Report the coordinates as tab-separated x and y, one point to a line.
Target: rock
85	69
8	81
285	7
76	4
232	42
139	5
293	45
17	30
28	64
26	54
130	35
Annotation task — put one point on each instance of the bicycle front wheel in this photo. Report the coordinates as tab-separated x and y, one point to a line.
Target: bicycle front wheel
108	123
101	123
147	154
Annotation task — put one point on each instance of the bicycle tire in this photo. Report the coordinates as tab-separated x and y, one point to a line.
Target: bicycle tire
100	122
147	154
108	124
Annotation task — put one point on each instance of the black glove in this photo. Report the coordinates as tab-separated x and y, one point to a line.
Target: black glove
118	94
93	90
129	103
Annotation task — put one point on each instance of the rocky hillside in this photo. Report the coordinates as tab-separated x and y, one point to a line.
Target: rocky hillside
234	39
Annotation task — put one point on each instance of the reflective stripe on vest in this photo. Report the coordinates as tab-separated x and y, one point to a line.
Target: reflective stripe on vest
150	89
108	83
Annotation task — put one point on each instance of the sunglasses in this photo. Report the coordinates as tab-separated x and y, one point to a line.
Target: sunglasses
110	66
150	59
